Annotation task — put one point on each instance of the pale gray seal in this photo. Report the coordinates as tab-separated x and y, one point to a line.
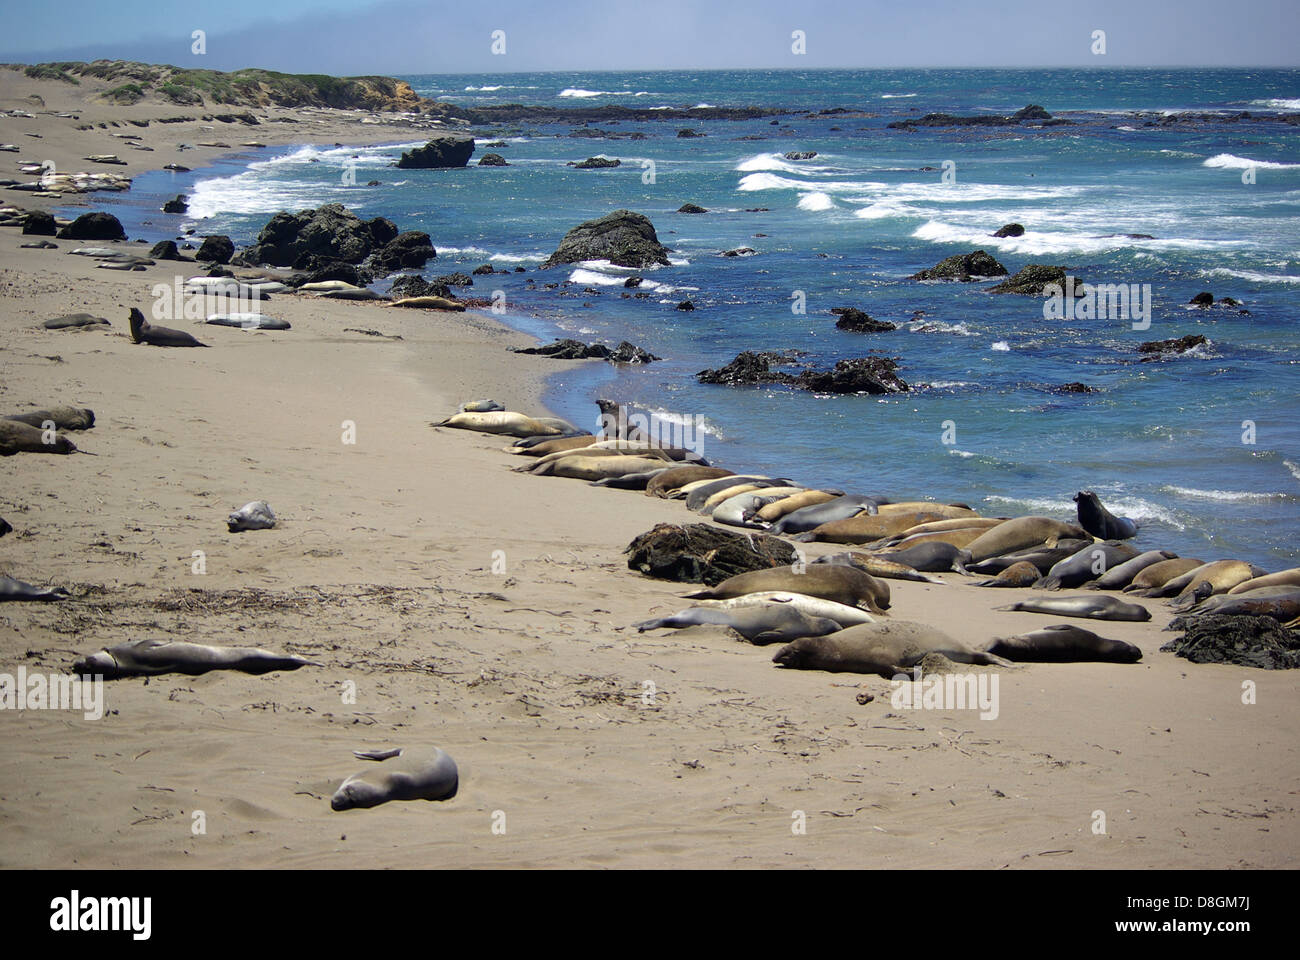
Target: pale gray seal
254	515
759	624
1064	643
887	649
841	508
247	321
144	332
482	406
1094	608
151	657
1122	576
420	773
1081	567
11	589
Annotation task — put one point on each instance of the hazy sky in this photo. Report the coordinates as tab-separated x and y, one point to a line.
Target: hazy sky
430	36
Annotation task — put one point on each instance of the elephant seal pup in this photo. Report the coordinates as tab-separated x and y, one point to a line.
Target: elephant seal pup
499	422
815	607
63	418
887	649
1064	643
629	481
11	589
828	581
419	773
146	658
1044	558
18	437
759	624
254	515
1283	578
482	406
1022	574
1092	608
1158	574
1099	521
1122	576
878	566
144	332
932	557
810	518
1022	533
669	482
1081	567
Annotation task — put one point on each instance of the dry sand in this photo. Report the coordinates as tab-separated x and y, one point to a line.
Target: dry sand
382	569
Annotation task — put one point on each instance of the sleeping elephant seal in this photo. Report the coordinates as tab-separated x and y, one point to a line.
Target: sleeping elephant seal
545	446
878	566
1064	643
863	528
1022	574
699	493
668	483
815	607
500	422
812	517
759	624
144	332
809	498
420	773
932	557
482	406
842	584
18	437
1044	558
1099	521
1221	576
1281	602
64	418
1093	608
255	515
1283	578
1023	533
146	658
1158	574
887	649
1088	564
596	468
1122	576
11	589
629	481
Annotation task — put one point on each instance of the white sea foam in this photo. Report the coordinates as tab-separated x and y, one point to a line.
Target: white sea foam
896	96
1253	275
815	201
1293	467
1034	242
484	254
1001	346
1227	161
1277	104
964	454
484	89
776	162
1226	496
939	326
696	422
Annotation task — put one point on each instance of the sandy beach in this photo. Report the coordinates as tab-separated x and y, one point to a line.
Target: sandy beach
581	743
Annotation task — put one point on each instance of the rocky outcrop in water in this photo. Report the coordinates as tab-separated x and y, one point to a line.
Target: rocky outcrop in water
1031	281
963	267
624	238
311	240
595	163
1175	346
447	150
567	349
1030	114
1010	230
858	321
874	375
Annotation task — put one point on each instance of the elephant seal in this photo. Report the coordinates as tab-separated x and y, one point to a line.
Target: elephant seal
931	557
18	437
1158	574
430	303
828	581
887	649
144	332
362	294
810	518
500	422
680	454
942	526
815	607
74	320
247	321
1081	567
541	464
254	515
420	773
739	511
482	406
797	501
1221	576
615	423
1093	608
1099	521
942	511
959	537
759	624
1283	578
1281	603
545	446
1064	643
5	527
697	496
64	418
864	528
11	589
1022	574
1121	576
1022	533
629	481
667	483
146	658
1044	558
596	468
878	566
745	501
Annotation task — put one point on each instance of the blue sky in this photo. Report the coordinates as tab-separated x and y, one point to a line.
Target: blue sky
424	36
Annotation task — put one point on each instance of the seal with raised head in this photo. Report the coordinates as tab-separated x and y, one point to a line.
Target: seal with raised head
1064	643
616	423
1099	521
841	584
145	658
759	624
406	773
142	331
254	515
1088	564
11	589
887	649
1088	607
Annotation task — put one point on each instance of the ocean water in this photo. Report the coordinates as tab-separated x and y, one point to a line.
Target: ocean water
1163	442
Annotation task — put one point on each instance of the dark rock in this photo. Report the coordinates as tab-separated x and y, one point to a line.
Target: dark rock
1075	387
93	226
165	250
1010	230
38	223
964	267
1031	112
691	208
485	269
1179	345
857	321
686	305
406	251
702	553
219	272
1242	640
1202	300
372	183
631	282
492	160
628	353
382	231
739	252
455	280
178	204
216	249
595	163
688	132
446	150
624	238
861	375
330	232
1228	302
1030	281
801	154
748	367
568	350
414	286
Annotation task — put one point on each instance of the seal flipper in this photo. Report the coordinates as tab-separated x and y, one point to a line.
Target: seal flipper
377	754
